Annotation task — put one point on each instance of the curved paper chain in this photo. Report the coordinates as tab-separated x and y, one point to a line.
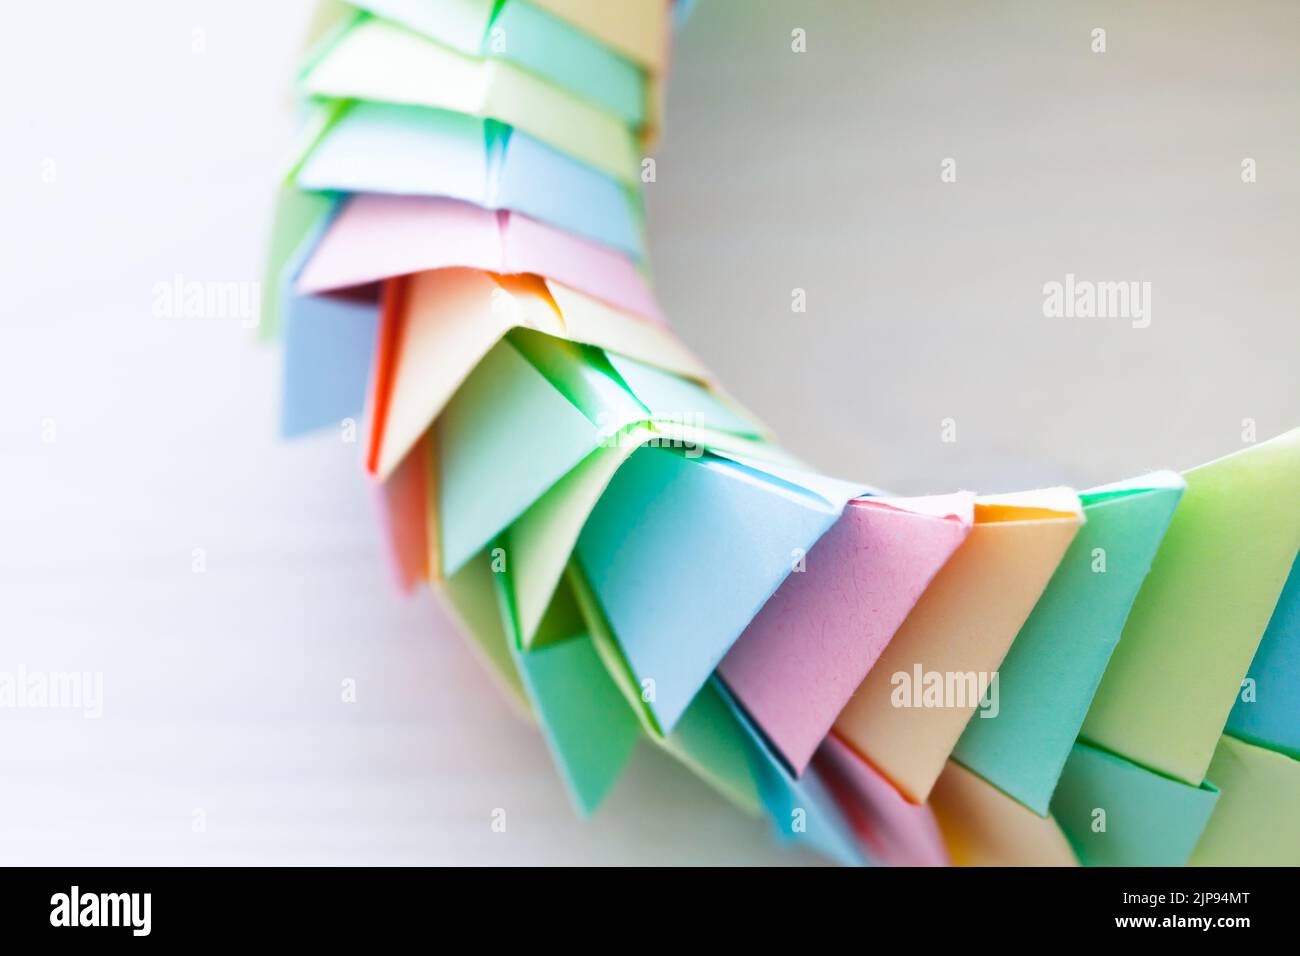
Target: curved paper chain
1044	677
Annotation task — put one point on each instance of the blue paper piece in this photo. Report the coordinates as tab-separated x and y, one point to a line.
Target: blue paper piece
1117	813
414	151
682	552
1272	719
802	810
329	343
1052	671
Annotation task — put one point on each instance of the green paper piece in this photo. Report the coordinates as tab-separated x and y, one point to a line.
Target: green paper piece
1149	820
1256	822
707	739
1048	678
505	437
566	56
472	594
589	728
298	217
1199	616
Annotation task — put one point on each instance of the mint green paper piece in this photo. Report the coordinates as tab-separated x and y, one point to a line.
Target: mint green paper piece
589	728
1048	678
462	24
569	58
1149	820
505	437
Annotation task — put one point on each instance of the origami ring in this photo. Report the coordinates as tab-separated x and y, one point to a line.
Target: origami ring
1049	676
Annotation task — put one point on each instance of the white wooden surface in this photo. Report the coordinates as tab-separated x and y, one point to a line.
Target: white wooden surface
223	689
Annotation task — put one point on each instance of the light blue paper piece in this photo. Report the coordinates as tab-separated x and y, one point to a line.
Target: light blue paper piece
529	37
1149	819
1048	678
682	552
802	810
1272	719
329	343
413	151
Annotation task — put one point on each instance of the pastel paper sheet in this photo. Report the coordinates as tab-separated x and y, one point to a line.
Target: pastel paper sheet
982	826
1267	712
800	660
445	322
384	62
405	150
588	726
656	544
893	831
964	624
1255	822
531	38
1201	613
1116	813
1047	680
377	237
636	28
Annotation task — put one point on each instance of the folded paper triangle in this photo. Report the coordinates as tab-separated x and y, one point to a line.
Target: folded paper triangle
589	728
1255	822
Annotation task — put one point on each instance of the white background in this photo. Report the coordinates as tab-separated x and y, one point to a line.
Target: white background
223	689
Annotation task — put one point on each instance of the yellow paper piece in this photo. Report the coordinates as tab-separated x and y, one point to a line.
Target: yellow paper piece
984	827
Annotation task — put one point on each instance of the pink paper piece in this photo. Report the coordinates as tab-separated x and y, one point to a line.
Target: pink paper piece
379	236
800	660
895	832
